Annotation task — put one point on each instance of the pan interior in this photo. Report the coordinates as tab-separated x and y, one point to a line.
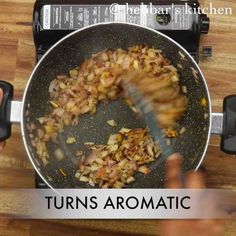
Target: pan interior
70	53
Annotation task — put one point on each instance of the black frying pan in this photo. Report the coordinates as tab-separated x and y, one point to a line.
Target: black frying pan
70	52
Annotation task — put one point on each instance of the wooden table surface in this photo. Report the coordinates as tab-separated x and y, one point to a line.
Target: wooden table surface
17	59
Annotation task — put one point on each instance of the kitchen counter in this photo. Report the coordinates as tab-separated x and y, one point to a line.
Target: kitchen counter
17	60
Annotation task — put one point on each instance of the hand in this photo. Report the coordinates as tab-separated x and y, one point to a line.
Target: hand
2	144
187	227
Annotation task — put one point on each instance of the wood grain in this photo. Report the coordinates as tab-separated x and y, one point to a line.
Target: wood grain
17	60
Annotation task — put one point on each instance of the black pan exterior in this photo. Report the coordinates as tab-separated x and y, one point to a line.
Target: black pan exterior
70	53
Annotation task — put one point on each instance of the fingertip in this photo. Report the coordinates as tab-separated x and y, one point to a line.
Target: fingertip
1	95
2	145
195	180
173	174
174	157
1	92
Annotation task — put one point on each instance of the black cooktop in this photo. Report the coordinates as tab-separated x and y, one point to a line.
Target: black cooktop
181	20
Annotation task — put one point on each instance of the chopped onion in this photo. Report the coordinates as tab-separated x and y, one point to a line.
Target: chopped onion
112	123
70	140
84	179
124	130
144	169
195	74
114	164
168	142
59	154
112	139
62	172
182	130
181	55
99	79
88	143
77	175
131	179
206	116
184	89
90	159
180	66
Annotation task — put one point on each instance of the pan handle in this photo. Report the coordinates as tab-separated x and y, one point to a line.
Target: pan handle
5	110
224	124
228	140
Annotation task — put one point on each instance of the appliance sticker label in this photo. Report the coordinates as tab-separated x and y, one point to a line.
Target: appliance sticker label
159	17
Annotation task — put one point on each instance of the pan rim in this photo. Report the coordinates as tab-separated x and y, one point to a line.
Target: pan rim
88	27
